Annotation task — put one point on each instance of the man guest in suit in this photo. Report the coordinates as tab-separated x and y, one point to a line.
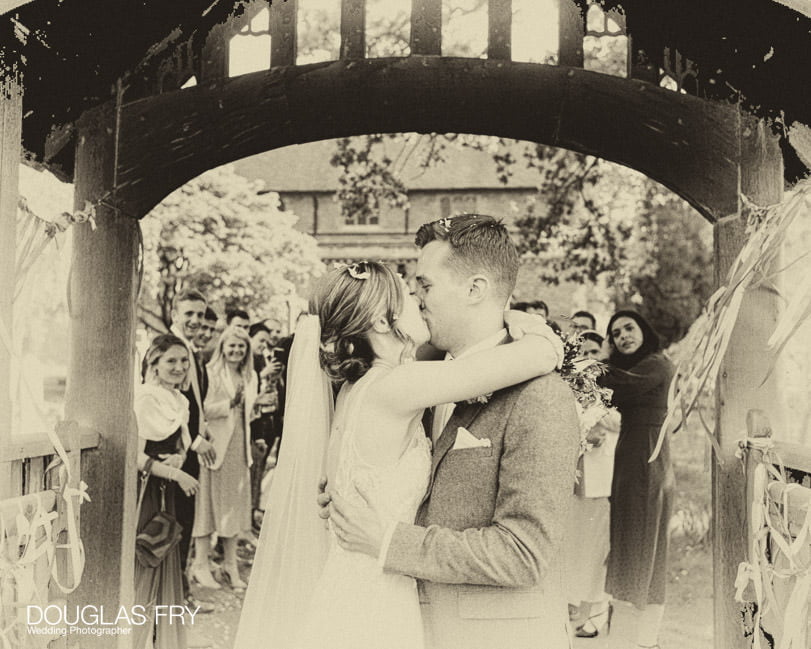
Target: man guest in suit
486	544
188	313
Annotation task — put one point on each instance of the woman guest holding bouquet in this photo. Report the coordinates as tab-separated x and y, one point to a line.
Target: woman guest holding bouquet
587	549
224	501
641	491
162	414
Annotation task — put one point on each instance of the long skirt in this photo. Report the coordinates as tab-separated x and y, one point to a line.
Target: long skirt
224	500
586	550
162	585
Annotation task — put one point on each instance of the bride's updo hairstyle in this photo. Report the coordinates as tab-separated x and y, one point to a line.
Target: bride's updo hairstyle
347	301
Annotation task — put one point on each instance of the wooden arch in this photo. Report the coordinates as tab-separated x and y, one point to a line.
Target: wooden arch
685	143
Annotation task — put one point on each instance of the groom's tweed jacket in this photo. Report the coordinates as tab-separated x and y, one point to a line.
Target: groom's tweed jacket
486	546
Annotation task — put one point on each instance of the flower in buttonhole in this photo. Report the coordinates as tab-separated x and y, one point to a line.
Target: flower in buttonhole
484	398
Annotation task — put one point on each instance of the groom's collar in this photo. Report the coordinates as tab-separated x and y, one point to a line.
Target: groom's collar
488	343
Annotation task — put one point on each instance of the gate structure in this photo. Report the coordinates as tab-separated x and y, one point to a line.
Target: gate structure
103	106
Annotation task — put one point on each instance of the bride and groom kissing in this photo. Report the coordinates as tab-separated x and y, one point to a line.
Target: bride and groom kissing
445	525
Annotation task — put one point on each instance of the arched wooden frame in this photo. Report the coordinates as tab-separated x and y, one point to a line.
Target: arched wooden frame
689	145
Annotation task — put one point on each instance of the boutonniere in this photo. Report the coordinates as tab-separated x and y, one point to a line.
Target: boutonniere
480	399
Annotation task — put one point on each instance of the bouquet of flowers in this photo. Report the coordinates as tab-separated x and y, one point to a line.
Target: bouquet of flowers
593	401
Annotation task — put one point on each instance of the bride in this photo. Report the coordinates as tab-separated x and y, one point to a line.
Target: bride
306	591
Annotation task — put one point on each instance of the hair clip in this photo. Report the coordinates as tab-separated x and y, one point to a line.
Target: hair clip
355	271
446	223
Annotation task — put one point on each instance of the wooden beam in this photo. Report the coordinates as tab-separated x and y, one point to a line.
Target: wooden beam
571	29
101	368
353	29
283	33
426	27
39	445
739	388
11	102
683	142
499	29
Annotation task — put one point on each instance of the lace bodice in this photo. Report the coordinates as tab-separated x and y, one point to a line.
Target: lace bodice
399	487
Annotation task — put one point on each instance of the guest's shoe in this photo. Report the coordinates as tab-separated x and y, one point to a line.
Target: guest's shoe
202	575
595	623
231	574
199	605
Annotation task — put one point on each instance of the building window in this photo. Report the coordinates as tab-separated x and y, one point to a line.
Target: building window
362	218
461	204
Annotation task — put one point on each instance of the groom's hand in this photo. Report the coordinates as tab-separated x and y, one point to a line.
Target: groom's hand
359	529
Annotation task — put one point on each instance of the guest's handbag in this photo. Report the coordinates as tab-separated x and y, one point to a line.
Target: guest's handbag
160	533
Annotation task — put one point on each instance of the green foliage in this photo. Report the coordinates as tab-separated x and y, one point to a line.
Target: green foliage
225	236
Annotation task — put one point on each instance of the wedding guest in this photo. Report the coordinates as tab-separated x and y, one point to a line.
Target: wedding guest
238	318
224	501
162	415
538	307
588	533
188	312
265	425
205	334
641	491
583	321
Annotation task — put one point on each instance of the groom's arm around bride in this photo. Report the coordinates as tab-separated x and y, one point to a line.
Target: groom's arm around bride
487	538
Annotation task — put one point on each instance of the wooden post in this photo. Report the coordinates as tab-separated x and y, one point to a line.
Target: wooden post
499	29
283	33
101	371
571	28
10	127
739	386
426	27
353	29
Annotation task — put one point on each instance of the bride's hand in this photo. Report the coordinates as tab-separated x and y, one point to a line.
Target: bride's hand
520	324
324	499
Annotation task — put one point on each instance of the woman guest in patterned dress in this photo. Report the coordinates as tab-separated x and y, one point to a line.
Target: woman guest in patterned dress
162	414
224	502
641	491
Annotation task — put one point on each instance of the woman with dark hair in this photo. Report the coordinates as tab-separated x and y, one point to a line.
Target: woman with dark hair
162	415
641	491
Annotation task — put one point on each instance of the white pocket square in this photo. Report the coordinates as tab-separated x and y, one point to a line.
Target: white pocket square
466	439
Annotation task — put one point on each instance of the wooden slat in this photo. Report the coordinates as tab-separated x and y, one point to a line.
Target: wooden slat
499	29
39	445
739	386
213	63
571	29
426	27
794	456
353	29
99	393
283	33
682	142
10	149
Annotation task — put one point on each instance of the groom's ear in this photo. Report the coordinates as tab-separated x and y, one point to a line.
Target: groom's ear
478	289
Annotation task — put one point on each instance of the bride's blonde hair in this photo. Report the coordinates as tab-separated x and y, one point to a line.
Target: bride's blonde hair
347	301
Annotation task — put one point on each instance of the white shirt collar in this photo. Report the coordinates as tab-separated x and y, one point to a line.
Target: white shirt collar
177	332
488	343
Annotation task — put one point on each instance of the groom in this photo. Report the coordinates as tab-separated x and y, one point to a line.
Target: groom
486	544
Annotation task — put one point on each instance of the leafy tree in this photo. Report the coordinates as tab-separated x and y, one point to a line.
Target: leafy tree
225	236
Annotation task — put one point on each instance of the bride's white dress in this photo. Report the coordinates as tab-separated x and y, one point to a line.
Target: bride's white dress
355	604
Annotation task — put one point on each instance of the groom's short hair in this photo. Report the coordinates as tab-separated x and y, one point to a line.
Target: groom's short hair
479	243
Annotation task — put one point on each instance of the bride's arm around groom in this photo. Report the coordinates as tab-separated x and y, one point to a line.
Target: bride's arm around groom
486	541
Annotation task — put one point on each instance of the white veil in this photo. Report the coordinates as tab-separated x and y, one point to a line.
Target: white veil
293	543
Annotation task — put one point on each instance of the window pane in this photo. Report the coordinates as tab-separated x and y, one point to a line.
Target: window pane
464	28
319	31
535	31
388	28
249	53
